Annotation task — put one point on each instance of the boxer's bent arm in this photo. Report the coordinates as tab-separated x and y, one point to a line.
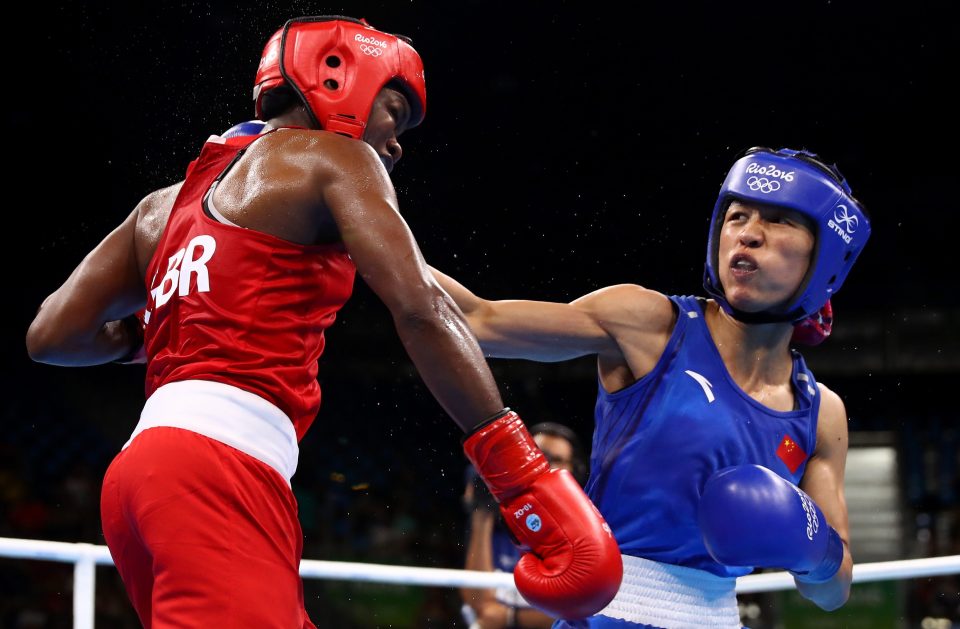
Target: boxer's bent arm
479	557
78	324
497	615
484	601
823	481
548	331
533	618
361	199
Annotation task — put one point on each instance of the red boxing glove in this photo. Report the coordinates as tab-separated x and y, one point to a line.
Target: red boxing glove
814	329
573	569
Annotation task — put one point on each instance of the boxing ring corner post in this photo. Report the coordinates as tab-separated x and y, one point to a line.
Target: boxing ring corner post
84	586
86	557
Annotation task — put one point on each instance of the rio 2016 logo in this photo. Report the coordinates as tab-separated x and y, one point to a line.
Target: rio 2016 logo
813	522
770	171
369	40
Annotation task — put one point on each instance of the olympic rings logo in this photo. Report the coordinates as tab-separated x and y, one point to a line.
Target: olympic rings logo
373	51
849	221
763	184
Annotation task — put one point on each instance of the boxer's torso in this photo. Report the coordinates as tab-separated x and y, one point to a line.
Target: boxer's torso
231	300
657	441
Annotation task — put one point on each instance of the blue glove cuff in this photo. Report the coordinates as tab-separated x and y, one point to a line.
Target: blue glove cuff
830	563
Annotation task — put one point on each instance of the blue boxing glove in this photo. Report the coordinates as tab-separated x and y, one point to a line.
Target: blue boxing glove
250	127
750	516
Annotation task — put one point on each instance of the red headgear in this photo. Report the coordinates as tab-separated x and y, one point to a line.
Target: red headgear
337	66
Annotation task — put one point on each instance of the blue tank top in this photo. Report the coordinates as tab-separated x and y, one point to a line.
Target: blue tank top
657	442
505	553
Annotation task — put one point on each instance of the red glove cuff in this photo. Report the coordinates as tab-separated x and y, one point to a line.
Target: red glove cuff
506	456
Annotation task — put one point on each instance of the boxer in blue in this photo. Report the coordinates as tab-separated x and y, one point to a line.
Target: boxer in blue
715	451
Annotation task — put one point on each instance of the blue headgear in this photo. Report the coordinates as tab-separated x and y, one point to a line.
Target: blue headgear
799	181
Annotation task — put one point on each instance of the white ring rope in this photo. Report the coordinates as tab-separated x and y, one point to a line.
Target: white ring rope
86	556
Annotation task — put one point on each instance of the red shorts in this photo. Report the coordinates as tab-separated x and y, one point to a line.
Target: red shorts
203	535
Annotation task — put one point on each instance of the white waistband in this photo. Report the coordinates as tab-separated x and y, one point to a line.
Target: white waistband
674	597
509	596
230	415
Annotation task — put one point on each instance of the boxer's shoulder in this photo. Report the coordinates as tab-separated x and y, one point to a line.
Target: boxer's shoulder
639	320
158	202
832	436
629	306
152	214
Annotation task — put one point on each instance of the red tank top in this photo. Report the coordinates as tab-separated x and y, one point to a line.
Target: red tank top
238	306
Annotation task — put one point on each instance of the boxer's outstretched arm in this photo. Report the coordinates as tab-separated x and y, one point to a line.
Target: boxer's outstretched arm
78	324
548	331
574	568
823	481
361	199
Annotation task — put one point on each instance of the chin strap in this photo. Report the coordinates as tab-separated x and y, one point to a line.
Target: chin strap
748	317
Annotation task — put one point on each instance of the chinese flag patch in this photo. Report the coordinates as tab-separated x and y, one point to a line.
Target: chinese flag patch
791	453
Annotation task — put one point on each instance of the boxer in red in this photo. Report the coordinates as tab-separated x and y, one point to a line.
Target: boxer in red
224	285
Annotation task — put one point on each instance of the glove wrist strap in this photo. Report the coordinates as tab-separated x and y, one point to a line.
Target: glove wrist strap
505	455
486	422
829	565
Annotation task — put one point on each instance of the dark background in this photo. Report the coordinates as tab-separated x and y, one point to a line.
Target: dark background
566	147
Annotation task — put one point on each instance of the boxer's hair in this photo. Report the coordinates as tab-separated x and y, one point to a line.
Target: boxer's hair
553	429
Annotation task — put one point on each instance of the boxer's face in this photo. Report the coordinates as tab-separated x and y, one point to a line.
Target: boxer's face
764	255
388	119
557	450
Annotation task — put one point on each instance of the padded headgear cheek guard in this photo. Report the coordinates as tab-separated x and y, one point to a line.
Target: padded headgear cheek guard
798	181
337	65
